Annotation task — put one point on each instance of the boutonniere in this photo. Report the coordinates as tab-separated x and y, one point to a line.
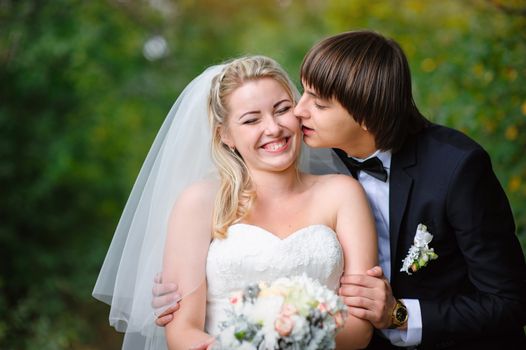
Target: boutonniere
419	254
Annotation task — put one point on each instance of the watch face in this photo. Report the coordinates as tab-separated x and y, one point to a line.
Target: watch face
401	314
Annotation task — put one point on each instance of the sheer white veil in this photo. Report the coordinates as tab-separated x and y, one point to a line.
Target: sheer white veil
179	156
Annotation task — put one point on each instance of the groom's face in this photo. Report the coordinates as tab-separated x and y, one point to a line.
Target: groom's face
327	124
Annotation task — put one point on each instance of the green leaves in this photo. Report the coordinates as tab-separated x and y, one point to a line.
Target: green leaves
80	105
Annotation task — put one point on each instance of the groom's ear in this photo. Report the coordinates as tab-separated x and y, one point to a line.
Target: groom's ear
363	126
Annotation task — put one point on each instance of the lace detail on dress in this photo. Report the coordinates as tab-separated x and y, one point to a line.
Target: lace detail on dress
251	254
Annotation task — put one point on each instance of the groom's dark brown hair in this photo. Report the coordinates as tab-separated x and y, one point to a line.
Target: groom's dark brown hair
369	76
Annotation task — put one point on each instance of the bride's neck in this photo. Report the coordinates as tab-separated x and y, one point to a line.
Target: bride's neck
272	185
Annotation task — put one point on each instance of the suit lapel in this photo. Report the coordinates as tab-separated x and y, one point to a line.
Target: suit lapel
400	185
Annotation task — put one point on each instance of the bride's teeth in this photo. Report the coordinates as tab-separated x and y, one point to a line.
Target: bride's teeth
275	145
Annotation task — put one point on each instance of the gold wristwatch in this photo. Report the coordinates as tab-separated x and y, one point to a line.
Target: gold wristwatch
399	315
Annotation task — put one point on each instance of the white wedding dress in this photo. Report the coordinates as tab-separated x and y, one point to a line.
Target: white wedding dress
251	254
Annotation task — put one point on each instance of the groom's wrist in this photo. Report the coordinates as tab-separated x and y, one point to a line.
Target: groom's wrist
399	316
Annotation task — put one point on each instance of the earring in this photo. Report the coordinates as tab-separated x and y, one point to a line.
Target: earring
232	149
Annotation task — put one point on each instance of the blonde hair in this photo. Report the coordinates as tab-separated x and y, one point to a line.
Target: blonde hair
236	192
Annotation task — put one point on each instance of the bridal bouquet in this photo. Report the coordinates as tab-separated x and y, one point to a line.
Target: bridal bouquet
290	313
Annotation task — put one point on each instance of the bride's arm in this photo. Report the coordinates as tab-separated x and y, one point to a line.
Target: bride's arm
184	263
356	232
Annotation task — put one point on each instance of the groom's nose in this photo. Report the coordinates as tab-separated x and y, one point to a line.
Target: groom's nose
300	111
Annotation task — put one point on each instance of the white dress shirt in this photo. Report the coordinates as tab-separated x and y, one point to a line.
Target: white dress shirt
378	194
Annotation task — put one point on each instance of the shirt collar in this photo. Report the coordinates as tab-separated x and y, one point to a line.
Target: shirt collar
384	156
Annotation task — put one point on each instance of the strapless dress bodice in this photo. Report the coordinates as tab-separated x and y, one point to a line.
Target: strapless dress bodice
251	254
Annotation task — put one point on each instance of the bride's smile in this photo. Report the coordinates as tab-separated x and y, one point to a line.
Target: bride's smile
277	146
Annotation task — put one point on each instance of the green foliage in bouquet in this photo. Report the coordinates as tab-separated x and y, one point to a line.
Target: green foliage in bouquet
289	313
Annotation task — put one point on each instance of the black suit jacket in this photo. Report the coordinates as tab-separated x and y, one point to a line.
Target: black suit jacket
474	294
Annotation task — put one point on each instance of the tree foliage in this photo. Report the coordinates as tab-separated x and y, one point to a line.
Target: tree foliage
81	100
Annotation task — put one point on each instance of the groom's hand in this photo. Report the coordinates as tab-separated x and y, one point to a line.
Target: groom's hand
207	345
165	301
369	297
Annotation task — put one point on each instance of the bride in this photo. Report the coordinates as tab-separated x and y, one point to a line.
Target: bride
256	218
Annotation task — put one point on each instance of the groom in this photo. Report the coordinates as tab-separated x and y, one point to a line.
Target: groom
358	101
471	291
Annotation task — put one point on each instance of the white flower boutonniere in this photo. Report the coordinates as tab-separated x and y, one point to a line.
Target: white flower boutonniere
419	254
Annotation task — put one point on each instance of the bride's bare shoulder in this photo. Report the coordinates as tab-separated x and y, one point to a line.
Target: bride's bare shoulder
334	182
191	214
335	188
200	194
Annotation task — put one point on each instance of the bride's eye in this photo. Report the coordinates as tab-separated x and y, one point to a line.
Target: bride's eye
249	121
283	110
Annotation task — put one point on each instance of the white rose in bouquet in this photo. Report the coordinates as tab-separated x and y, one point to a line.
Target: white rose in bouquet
290	313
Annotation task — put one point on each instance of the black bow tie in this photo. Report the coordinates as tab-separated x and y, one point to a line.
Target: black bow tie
372	166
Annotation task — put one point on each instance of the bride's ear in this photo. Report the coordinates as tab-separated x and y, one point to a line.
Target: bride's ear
225	137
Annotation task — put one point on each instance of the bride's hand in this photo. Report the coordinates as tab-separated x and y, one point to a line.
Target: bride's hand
165	301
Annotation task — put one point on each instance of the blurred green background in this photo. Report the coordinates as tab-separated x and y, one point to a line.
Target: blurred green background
85	86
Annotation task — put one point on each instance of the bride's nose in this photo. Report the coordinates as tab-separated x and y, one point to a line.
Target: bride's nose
271	126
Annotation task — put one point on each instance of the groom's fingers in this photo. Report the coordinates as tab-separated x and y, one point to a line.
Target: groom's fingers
376	272
366	314
162	321
358	302
368	297
165	300
359	312
171	310
203	346
166	316
349	290
163	288
367	309
361	280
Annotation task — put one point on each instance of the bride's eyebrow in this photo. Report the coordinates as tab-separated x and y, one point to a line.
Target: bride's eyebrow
280	102
258	112
247	113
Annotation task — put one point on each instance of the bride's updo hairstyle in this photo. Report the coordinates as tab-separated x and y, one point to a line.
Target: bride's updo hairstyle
236	193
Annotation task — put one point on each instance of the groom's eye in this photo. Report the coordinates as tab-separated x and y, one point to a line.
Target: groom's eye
320	106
